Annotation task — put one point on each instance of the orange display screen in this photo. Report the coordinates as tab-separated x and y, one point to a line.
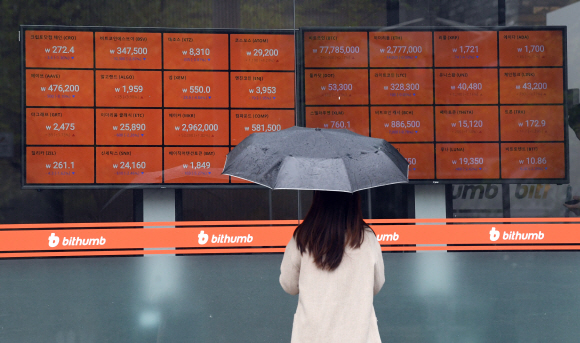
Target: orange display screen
129	165
59	165
402	123
50	49
195	165
196	89
262	52
402	87
59	88
466	86
466	123
206	51
262	90
128	126
60	126
467	161
336	87
335	49
401	49
421	159
130	106
355	119
531	49
537	160
532	123
465	49
531	86
128	50
246	122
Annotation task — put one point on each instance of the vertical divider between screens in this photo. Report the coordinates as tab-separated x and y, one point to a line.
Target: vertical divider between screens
95	107
162	110
229	97
22	34
369	85
499	108
434	107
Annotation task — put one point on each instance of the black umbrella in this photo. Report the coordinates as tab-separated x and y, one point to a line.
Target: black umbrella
316	159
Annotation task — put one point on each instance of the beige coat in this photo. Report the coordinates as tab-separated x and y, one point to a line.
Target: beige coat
335	306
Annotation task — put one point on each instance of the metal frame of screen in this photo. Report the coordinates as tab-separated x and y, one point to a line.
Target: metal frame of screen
94	29
301	108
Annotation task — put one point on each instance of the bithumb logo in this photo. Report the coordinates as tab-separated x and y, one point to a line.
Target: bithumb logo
53	241
515	235
204	238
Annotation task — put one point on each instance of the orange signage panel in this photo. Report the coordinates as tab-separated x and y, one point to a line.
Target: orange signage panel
531	48
531	86
401	49
335	50
402	123
402	87
355	119
532	161
336	87
128	88
465	48
128	50
196	127
59	88
261	52
206	51
129	165
262	90
466	86
58	49
60	165
246	122
532	123
60	126
466	123
196	89
421	158
195	165
467	161
129	126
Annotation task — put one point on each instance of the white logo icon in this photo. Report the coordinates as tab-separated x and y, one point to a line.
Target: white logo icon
203	238
53	240
493	234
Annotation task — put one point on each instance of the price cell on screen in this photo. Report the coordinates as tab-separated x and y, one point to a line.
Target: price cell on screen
262	89
196	127
262	52
466	123
246	122
59	49
465	49
195	165
128	50
205	51
401	87
530	49
59	88
336	87
401	49
531	86
355	119
467	160
402	123
421	158
532	123
196	89
466	86
60	126
130	88
335	49
533	161
129	165
129	126
59	165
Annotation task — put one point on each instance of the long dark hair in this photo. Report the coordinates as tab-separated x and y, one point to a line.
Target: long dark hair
333	222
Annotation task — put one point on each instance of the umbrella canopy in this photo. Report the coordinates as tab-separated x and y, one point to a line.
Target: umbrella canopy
316	159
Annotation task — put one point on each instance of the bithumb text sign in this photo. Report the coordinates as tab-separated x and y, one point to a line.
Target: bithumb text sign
203	238
53	241
494	235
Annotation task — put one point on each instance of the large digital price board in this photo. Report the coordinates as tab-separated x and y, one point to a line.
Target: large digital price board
462	105
109	107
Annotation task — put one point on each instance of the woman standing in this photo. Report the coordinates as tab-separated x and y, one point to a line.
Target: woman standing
334	262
